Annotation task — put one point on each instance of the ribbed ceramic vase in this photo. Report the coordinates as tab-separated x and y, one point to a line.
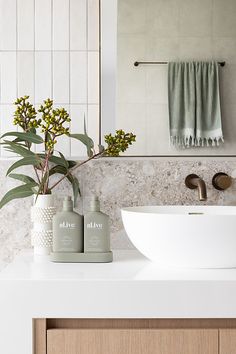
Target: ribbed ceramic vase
42	213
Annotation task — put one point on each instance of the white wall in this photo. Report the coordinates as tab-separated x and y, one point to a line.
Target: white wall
50	48
171	30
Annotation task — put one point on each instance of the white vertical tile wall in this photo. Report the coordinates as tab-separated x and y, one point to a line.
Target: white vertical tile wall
8	24
43	75
25	74
61	77
78	77
60	24
50	48
25	24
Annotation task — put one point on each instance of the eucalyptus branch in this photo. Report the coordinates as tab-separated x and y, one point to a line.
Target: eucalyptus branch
53	123
75	167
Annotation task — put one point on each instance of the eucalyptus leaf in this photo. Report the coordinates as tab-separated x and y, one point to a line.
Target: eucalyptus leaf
42	184
57	169
76	189
66	164
29	136
17	148
73	180
31	160
23	178
17	192
56	159
71	163
86	140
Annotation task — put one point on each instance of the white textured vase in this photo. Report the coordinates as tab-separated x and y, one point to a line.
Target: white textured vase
41	215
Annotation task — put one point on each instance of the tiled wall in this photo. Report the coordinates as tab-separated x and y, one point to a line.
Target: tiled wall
50	48
171	30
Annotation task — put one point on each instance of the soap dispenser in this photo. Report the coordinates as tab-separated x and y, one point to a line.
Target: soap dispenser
96	229
67	229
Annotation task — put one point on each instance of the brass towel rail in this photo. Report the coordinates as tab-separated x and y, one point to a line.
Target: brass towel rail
137	63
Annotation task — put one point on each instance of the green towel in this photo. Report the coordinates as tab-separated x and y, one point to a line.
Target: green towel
194	104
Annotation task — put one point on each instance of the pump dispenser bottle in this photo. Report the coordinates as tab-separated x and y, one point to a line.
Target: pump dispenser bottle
67	229
96	229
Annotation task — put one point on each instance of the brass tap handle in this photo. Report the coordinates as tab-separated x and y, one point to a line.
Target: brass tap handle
221	181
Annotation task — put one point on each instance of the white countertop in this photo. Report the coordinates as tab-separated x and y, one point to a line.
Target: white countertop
130	287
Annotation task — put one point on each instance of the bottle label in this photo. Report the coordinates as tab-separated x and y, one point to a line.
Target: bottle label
66	225
94	225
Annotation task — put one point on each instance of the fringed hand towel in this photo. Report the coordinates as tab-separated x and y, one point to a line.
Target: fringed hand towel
194	104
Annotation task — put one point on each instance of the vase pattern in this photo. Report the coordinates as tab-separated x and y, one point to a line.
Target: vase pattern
41	216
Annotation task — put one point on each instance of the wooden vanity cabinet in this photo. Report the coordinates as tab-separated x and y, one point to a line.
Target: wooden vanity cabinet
227	341
129	336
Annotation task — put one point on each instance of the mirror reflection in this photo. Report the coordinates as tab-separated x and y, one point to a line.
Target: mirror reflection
176	68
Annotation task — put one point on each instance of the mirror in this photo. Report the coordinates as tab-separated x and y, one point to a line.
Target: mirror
164	31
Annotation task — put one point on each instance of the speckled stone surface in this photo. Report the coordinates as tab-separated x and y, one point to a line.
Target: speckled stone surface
119	183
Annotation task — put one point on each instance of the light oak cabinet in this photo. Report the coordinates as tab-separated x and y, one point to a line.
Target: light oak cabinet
130	336
227	341
131	341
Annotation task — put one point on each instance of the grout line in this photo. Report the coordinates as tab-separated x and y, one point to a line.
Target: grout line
69	72
34	51
60	103
100	72
17	44
52	57
49	50
87	59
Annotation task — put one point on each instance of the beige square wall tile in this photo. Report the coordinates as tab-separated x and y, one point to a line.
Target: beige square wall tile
224	49
162	49
131	16
157	129
195	18
132	118
224	15
131	80
157	88
196	48
162	18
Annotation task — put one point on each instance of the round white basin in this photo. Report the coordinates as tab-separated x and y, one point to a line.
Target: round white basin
184	236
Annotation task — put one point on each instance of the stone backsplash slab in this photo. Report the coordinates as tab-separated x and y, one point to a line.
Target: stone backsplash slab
118	183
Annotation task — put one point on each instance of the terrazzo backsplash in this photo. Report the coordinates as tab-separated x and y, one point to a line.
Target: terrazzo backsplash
118	183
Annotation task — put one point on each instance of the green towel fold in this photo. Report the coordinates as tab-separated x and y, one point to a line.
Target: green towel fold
194	104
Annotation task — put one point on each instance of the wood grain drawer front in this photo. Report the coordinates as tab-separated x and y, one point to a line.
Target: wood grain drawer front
132	341
227	341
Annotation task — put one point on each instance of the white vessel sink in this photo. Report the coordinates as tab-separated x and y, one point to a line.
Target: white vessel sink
184	236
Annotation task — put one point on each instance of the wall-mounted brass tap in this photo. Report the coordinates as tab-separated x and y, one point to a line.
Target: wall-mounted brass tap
195	182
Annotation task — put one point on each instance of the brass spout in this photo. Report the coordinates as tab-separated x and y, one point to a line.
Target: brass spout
195	182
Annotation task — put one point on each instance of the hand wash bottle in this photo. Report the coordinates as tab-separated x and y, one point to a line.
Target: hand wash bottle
67	229
96	229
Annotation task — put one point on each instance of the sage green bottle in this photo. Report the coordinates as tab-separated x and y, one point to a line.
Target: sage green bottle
67	229
96	229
